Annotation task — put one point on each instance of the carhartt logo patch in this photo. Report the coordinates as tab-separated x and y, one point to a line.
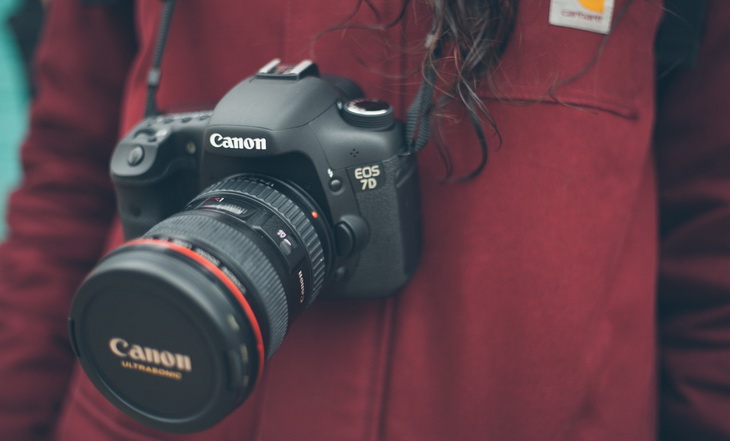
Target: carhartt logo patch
587	15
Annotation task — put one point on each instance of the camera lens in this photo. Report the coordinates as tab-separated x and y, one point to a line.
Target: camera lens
174	328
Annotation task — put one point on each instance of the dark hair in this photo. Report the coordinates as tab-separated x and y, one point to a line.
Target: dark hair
467	39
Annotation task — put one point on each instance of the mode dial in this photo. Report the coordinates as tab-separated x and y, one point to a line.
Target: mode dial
368	114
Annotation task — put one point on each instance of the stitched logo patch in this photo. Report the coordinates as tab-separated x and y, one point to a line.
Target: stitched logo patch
587	15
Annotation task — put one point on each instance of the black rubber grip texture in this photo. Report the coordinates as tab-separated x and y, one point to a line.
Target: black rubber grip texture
289	210
224	241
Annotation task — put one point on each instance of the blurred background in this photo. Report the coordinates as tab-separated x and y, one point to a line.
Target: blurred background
19	24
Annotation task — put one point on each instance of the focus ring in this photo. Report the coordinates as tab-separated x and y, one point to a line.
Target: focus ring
286	208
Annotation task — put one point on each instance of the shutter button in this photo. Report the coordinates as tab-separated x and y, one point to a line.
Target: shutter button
136	155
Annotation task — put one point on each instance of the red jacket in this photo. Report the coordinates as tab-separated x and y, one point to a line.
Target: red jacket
532	314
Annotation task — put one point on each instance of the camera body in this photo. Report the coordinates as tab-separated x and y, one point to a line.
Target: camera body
315	132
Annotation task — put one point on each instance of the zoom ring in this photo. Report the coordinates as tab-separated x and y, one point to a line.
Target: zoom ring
287	209
206	232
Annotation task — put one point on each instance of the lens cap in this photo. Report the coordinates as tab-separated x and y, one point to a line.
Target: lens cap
159	335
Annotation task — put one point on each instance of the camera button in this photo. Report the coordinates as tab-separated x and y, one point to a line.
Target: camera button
340	274
136	155
286	246
335	185
345	239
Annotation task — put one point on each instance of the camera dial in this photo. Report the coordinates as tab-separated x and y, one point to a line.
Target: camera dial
368	114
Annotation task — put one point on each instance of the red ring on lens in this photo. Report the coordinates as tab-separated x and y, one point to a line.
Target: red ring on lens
223	278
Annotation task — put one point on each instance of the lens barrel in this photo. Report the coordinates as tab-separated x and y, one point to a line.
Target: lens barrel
174	328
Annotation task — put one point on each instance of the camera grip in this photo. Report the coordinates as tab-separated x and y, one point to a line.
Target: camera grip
142	205
155	169
394	216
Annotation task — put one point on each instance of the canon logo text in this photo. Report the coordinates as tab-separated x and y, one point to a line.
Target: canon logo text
170	360
232	142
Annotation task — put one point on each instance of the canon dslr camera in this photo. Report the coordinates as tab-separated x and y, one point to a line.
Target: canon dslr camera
308	190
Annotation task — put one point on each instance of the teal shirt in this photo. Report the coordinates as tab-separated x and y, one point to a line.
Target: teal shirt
13	107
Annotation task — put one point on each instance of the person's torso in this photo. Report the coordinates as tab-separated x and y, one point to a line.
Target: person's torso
530	316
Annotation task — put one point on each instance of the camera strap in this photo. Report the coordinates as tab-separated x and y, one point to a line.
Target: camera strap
418	116
155	73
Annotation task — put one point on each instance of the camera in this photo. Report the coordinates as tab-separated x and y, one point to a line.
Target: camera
294	186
